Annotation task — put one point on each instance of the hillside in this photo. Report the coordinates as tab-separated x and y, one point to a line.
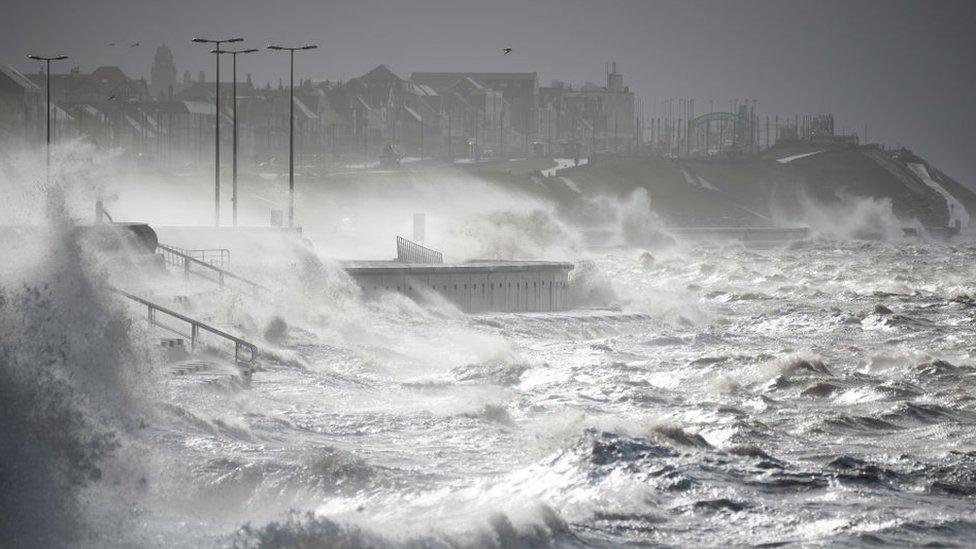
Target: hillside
776	185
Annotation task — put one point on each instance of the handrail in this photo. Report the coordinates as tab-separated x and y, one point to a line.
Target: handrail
218	257
185	260
411	252
195	327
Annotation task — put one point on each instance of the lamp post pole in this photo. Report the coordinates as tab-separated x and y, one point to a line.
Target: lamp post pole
291	126
47	85
233	54
217	44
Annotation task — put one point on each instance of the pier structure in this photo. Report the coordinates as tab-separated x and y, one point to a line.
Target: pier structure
475	286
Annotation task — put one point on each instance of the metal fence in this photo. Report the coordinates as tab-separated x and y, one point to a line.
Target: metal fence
180	259
245	353
411	252
218	257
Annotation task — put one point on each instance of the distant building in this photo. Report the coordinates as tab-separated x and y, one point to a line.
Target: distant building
103	83
20	104
598	118
475	114
162	76
520	91
386	108
443	114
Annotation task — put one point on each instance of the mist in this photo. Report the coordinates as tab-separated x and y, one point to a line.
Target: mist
486	274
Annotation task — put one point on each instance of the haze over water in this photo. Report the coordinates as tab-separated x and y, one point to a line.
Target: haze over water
809	390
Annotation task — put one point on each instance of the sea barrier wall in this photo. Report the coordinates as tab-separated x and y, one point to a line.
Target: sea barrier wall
477	286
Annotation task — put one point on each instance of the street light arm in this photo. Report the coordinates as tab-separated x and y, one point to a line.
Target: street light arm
199	40
42	58
234	52
295	48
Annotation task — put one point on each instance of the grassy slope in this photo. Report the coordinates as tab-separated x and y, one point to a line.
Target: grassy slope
678	202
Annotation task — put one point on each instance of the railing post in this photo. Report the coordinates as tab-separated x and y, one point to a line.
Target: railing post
194	334
186	267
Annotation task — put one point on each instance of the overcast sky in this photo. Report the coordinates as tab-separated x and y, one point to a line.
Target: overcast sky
904	68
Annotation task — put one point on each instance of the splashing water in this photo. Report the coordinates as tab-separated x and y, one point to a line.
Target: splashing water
811	393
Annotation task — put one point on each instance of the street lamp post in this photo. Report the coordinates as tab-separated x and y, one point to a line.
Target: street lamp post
291	126
48	60
234	54
217	44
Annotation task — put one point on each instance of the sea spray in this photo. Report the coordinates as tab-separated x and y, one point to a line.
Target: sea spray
67	387
851	217
639	225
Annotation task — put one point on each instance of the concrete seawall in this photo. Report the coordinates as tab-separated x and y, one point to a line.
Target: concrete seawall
477	286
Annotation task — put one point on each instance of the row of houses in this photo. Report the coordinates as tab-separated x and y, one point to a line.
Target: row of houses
447	115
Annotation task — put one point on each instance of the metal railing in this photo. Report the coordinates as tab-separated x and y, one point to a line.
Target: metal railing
240	346
218	257
181	259
411	252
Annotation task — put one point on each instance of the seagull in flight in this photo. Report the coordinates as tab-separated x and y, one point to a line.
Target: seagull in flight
111	43
506	51
134	45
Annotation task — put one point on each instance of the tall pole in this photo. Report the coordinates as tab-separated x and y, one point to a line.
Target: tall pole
291	142
291	126
47	61
216	51
501	126
47	147
233	55
217	142
233	93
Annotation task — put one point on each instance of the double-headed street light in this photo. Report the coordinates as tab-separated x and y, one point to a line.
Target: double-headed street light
234	54
48	89
291	126
217	44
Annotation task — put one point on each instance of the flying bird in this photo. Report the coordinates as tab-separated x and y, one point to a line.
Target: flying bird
111	43
111	97
134	45
506	51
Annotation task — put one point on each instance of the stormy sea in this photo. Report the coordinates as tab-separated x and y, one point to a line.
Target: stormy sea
813	392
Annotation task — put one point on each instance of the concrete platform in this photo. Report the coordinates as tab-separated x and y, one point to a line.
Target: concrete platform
475	286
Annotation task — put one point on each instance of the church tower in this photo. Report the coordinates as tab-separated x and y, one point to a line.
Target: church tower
162	77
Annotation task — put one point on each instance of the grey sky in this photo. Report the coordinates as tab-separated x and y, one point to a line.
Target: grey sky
904	68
